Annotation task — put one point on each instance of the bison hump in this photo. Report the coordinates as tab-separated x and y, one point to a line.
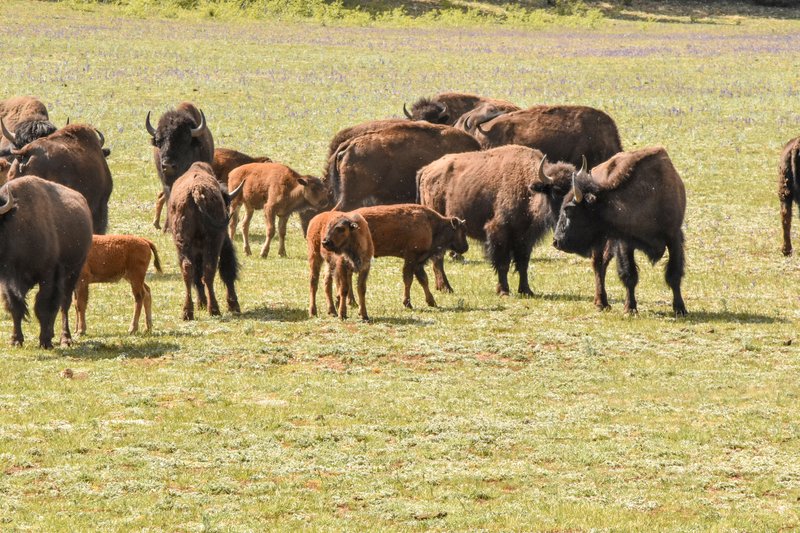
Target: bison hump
616	171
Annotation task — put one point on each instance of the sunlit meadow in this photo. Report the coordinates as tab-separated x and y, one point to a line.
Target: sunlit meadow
485	413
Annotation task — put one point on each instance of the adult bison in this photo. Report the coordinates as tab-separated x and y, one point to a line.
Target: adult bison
72	156
635	200
564	133
380	167
57	229
447	108
198	209
24	119
789	188
493	192
225	160
181	138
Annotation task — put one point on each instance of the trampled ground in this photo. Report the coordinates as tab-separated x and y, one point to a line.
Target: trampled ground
485	413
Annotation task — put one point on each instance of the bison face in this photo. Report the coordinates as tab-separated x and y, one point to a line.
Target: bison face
428	110
578	227
177	139
314	191
338	234
459	242
27	160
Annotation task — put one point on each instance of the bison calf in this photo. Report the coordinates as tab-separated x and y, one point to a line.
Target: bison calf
415	234
343	240
279	191
198	211
111	258
635	200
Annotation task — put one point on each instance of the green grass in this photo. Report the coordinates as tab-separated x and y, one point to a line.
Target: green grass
485	413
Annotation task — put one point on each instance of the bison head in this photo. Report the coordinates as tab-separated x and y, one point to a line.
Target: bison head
458	241
338	233
485	112
429	110
177	138
578	228
553	181
314	191
28	131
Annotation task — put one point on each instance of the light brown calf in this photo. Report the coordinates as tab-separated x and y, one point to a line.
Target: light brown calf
279	191
343	240
111	258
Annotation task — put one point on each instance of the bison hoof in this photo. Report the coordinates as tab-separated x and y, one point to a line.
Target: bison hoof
407	304
188	315
46	344
247	251
16	342
233	307
631	311
312	312
787	252
444	288
526	292
66	341
681	312
366	318
602	306
156	224
431	302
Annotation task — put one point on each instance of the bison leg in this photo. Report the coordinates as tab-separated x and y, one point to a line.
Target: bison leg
16	306
46	309
148	308
234	221
228	271
442	283
786	220
66	288
422	278
362	294
601	256
628	273
329	287
81	300
209	271
248	216
199	288
282	221
500	256
674	274
408	279
522	258
159	206
138	298
269	220
344	277
188	271
314	264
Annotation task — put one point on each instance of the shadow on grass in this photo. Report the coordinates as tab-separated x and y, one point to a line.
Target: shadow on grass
727	316
97	350
275	314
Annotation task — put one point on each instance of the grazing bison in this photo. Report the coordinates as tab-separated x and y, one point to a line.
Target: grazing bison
45	235
447	108
635	200
181	138
380	167
344	241
789	188
279	191
111	258
72	156
224	161
494	191
564	133
198	209
415	234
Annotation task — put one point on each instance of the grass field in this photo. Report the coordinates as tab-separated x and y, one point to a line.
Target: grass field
486	413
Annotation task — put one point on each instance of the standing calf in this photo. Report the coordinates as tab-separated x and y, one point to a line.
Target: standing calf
343	240
415	234
277	189
111	258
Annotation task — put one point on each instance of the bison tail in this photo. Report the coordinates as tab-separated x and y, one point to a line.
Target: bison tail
333	171
156	260
228	265
418	197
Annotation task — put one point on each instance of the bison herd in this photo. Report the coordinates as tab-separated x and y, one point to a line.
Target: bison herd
458	166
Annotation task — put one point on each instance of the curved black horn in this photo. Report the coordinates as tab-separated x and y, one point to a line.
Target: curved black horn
149	126
443	108
7	134
9	205
405	111
67	124
196	132
101	136
542	176
577	191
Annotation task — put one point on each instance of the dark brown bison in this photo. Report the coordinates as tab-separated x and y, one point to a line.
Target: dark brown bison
635	200
447	108
380	167
23	119
564	133
45	235
72	156
414	233
343	240
789	188
494	191
225	160
181	138
198	209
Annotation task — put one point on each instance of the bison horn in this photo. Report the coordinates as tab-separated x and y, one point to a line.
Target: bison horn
467	123
577	191
583	165
149	126
196	132
7	134
101	136
405	111
235	192
9	205
542	176
67	124
443	108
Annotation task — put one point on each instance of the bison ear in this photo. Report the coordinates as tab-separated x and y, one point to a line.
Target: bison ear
456	222
302	181
354	225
